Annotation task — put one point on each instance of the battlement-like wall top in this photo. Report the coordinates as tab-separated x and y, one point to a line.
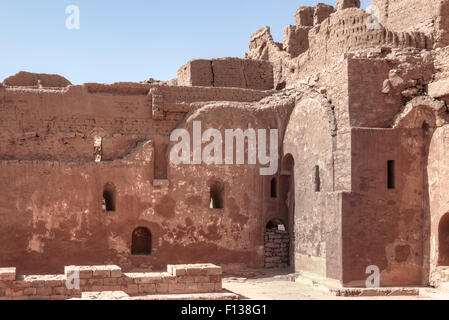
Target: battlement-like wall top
427	16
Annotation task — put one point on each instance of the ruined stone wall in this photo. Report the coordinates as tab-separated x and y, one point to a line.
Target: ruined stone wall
263	47
441	64
310	139
346	31
405	14
382	226
62	124
27	79
311	47
296	40
343	87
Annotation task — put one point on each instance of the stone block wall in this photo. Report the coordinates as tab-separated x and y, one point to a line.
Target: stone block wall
179	279
276	248
196	73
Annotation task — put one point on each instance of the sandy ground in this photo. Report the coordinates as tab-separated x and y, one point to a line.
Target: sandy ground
263	285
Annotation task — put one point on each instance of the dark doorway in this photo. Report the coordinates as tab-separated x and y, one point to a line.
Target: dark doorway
141	242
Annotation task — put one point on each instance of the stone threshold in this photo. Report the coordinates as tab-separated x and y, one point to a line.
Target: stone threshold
335	288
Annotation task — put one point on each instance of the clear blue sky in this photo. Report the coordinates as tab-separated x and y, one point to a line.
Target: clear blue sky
132	40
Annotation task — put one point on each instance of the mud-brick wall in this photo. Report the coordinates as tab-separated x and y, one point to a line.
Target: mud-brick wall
227	72
385	226
276	248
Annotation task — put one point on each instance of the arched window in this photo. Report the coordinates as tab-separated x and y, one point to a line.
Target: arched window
109	196
274	188
216	195
141	242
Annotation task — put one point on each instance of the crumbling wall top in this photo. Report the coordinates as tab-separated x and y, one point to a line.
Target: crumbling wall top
28	79
427	16
311	16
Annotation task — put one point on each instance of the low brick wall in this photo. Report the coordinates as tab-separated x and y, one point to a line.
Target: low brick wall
276	249
179	279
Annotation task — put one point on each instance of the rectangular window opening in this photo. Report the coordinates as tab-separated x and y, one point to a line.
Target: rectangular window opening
391	175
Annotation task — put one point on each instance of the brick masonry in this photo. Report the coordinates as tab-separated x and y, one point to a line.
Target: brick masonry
276	248
179	279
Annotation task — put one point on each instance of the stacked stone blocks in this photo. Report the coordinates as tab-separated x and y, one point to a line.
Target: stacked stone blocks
179	279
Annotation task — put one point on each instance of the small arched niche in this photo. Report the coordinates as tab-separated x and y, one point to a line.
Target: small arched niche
141	242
